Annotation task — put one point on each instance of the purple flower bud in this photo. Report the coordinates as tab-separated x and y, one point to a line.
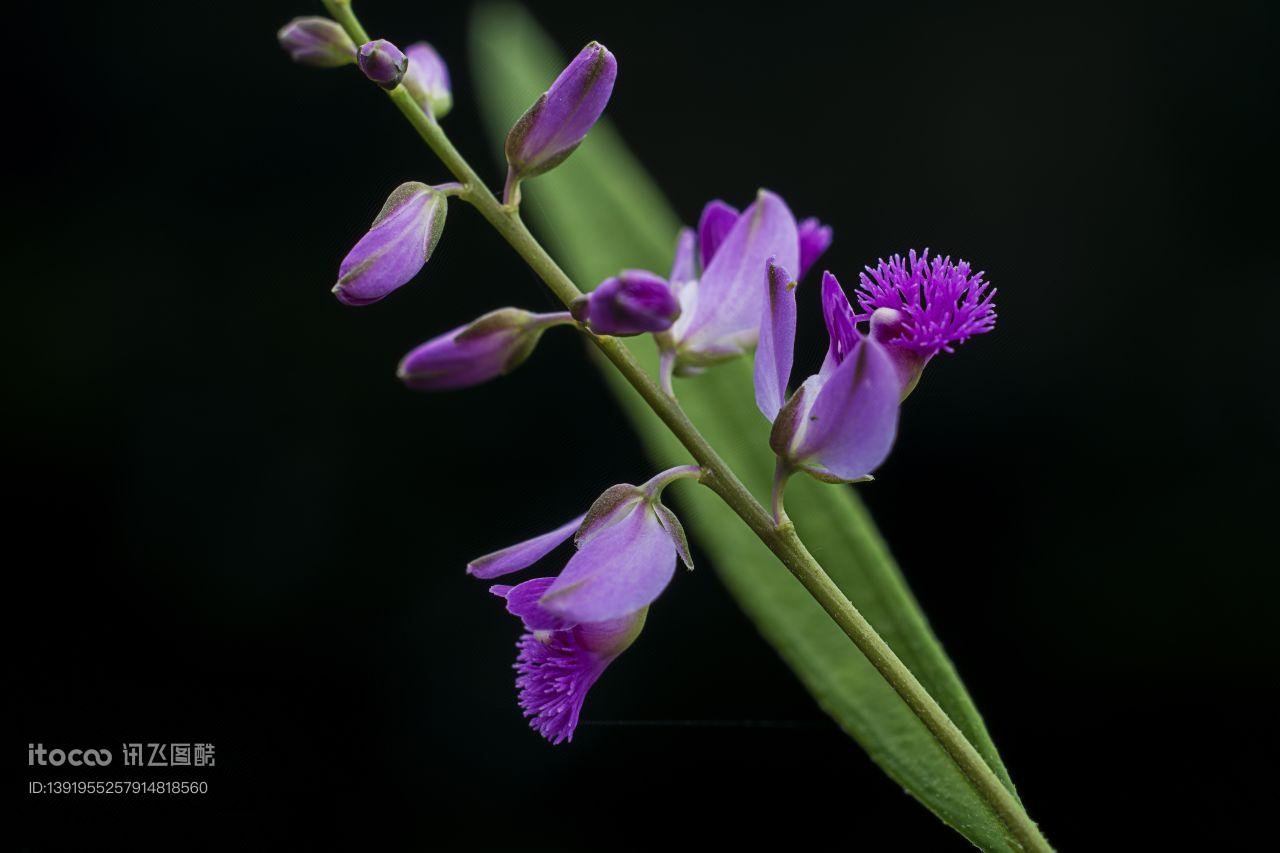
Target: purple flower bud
383	63
396	247
318	42
428	79
484	349
633	303
558	122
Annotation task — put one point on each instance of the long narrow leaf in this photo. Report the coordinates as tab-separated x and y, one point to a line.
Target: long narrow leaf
600	212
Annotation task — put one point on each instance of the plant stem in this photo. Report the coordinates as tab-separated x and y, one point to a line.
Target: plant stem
781	538
660	481
781	473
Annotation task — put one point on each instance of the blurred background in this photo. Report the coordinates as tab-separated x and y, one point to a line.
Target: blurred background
229	522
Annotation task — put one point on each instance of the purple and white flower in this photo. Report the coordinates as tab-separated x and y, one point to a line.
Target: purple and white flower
716	277
578	622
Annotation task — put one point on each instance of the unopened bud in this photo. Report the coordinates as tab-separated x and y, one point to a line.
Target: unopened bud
383	63
633	303
318	42
558	122
428	79
396	247
484	349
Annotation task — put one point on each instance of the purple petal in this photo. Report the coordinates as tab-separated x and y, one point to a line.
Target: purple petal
851	426
842	330
521	555
397	246
815	239
522	602
554	671
683	268
717	220
558	122
620	570
943	304
730	298
777	341
632	303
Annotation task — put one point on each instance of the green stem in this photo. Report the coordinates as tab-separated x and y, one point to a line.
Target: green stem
660	481
781	539
781	473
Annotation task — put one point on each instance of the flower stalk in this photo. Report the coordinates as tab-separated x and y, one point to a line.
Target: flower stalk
780	538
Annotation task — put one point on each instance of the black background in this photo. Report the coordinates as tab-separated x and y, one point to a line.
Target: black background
229	523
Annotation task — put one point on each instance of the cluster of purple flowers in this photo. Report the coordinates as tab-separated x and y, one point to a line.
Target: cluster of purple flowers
730	289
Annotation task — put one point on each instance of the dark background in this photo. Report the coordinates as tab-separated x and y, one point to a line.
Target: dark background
229	523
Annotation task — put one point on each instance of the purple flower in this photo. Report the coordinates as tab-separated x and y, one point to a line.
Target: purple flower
627	546
633	303
558	660
577	623
841	422
383	63
398	245
483	349
428	79
559	120
716	277
318	42
922	308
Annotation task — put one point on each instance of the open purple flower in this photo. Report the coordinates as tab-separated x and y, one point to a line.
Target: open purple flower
396	247
716	276
840	423
578	622
921	308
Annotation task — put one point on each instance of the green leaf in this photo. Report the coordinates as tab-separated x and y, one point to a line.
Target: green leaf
600	212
